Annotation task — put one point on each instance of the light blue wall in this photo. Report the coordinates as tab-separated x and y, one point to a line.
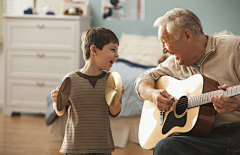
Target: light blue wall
215	15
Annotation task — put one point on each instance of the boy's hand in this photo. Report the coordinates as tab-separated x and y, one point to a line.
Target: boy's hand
117	108
54	94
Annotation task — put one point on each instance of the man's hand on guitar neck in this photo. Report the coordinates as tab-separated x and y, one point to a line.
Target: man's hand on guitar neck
161	98
225	105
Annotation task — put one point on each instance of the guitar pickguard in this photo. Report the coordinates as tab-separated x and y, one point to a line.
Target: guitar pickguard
172	121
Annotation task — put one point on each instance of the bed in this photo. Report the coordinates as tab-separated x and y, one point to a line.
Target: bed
137	54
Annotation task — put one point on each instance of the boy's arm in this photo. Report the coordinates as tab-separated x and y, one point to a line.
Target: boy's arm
54	95
114	111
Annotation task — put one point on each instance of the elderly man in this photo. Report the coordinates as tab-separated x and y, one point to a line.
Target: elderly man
193	52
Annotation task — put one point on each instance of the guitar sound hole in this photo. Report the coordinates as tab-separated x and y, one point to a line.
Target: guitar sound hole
181	105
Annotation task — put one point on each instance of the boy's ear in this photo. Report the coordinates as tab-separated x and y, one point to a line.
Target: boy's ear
93	49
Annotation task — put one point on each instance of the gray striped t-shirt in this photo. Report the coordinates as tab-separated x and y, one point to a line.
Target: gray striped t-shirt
88	126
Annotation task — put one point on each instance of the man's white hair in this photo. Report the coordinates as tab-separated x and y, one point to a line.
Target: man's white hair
179	19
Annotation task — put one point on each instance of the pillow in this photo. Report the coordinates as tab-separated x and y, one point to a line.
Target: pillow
224	32
143	50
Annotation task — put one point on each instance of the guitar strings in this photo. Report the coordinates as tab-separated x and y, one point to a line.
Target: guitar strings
205	98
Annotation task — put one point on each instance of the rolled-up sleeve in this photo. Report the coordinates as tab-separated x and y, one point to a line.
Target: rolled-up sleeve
152	75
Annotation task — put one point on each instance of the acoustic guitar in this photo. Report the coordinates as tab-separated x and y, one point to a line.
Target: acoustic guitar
192	113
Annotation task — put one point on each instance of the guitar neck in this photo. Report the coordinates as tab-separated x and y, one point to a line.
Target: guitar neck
205	98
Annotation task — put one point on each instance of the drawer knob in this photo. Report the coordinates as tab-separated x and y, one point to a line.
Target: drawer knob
40	55
40	26
40	84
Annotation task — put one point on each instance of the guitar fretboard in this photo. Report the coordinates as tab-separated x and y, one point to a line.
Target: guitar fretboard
205	98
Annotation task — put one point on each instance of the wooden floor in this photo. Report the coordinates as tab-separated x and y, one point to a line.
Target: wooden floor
28	135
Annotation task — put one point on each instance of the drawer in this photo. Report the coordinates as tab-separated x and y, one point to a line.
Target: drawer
42	34
40	64
29	92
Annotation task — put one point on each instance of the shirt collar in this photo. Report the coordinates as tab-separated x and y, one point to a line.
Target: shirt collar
209	48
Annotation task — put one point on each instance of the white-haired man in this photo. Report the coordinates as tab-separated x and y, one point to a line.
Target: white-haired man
194	52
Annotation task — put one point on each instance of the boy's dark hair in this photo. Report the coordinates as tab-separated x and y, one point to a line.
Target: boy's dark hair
97	36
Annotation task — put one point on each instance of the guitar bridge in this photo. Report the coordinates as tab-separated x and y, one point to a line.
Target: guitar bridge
161	117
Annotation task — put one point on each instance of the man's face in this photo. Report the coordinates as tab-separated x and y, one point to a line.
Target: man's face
174	47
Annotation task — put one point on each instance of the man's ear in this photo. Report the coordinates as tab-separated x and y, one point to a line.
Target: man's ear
187	35
93	49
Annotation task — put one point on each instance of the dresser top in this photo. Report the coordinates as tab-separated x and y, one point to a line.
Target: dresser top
46	16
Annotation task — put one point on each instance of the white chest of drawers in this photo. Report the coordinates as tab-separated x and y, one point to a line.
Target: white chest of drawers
37	52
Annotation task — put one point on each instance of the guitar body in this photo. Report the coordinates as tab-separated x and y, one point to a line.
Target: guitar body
196	121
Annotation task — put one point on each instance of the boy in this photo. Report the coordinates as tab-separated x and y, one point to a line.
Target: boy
88	127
